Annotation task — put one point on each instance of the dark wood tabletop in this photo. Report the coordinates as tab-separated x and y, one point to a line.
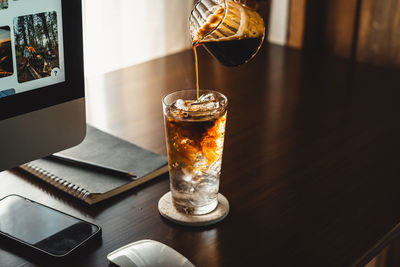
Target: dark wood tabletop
310	166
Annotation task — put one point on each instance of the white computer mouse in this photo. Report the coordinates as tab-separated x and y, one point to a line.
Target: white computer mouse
147	253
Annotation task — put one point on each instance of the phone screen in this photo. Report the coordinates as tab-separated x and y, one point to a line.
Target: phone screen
42	227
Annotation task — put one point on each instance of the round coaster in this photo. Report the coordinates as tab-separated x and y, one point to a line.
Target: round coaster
168	211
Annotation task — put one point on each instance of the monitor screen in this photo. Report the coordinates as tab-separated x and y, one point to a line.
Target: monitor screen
31	45
42	105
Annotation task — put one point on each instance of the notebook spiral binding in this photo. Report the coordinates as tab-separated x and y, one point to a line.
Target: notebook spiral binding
56	181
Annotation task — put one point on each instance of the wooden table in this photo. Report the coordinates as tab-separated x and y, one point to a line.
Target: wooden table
310	168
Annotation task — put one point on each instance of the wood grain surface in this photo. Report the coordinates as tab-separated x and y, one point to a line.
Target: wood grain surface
310	163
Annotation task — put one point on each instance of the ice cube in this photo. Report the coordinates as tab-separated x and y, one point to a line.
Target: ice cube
187	178
203	106
211	105
207	97
181	105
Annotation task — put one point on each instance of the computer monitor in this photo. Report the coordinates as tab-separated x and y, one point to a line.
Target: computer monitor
42	105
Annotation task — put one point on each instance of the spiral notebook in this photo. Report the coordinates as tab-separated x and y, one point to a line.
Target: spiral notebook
101	148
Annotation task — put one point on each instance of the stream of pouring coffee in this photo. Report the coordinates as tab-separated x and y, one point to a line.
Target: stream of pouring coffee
230	47
197	71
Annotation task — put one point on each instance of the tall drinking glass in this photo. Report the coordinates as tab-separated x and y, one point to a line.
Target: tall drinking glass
195	133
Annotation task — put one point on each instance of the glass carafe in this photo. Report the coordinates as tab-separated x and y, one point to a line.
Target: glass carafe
231	31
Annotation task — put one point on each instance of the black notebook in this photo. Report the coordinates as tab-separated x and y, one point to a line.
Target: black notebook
101	148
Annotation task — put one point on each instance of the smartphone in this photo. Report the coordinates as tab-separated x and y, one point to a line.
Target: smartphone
37	228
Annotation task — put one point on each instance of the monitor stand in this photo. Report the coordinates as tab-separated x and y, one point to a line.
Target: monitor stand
40	133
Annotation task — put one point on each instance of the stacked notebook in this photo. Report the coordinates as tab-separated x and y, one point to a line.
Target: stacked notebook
93	185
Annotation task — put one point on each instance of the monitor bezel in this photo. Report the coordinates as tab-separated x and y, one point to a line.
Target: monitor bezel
72	88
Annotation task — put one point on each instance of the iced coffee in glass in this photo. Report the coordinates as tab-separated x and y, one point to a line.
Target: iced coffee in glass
195	130
232	32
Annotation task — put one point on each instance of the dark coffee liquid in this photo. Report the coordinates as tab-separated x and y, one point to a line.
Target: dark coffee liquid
232	53
189	138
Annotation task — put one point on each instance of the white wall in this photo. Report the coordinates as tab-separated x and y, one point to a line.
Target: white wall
120	33
278	21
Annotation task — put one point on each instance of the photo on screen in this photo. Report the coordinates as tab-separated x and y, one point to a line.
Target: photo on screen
36	45
7	92
6	64
3	4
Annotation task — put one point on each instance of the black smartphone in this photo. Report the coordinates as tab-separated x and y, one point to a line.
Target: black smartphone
43	230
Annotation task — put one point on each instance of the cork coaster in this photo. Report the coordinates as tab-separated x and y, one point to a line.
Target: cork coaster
168	211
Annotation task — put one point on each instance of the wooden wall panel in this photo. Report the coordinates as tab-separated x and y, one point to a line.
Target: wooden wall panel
365	30
379	32
341	17
314	27
296	23
327	24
